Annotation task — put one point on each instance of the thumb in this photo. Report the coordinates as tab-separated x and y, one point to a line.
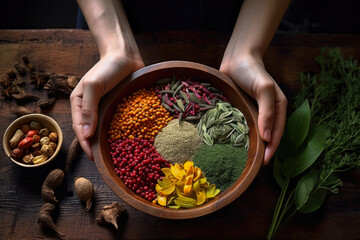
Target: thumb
89	110
266	112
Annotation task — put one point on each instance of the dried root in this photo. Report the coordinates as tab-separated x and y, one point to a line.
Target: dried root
53	180
72	154
111	213
45	219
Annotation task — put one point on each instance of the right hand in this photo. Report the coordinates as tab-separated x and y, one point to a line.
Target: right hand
100	79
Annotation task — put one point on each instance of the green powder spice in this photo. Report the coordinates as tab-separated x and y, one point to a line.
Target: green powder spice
222	164
178	142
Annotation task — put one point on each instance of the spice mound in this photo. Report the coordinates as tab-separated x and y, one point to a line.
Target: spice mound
138	164
140	115
184	186
222	163
178	141
224	124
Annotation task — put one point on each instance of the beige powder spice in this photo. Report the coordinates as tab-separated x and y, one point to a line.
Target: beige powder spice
178	142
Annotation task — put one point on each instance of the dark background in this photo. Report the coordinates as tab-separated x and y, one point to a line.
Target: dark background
303	16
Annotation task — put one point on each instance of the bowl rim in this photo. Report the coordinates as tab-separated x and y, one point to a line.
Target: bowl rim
154	209
22	119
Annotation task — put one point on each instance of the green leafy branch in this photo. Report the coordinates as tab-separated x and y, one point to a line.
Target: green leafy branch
321	137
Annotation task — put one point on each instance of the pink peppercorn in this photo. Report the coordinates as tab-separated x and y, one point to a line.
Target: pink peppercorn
138	164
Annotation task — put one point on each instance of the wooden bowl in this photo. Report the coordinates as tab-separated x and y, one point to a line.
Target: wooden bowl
45	121
145	78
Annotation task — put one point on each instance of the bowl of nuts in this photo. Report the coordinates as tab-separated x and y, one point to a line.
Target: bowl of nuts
177	140
32	140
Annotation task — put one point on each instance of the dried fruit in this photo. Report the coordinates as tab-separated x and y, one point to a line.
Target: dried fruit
25	128
16	139
36	152
39	159
111	213
44	132
31	133
28	158
44	141
35	125
53	146
53	136
83	189
47	150
17	153
25	143
36	138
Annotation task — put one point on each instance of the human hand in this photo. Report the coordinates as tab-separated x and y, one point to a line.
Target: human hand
249	73
84	100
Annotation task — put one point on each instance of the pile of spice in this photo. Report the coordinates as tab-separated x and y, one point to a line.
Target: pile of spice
184	185
140	115
187	99
12	86
178	141
222	163
224	124
138	164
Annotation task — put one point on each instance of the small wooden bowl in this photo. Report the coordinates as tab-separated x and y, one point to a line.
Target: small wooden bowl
145	78
45	121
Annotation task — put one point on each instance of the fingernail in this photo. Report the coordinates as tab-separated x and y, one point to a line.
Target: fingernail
86	130
267	135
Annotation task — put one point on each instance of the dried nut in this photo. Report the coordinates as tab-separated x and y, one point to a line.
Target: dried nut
39	159
36	138
28	158
31	133
72	81
53	145
47	150
25	143
37	152
25	128
84	191
35	145
44	141
17	153
44	132
16	139
53	137
35	125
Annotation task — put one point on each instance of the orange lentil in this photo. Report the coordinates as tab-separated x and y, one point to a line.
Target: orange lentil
139	115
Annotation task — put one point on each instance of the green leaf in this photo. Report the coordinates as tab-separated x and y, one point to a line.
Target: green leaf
333	179
279	177
308	152
296	129
308	197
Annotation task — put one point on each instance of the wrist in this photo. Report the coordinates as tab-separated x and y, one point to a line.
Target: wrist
242	59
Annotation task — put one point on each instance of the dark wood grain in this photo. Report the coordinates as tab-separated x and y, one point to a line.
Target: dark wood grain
248	217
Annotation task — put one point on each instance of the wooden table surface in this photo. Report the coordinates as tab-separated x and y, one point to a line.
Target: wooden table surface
248	217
